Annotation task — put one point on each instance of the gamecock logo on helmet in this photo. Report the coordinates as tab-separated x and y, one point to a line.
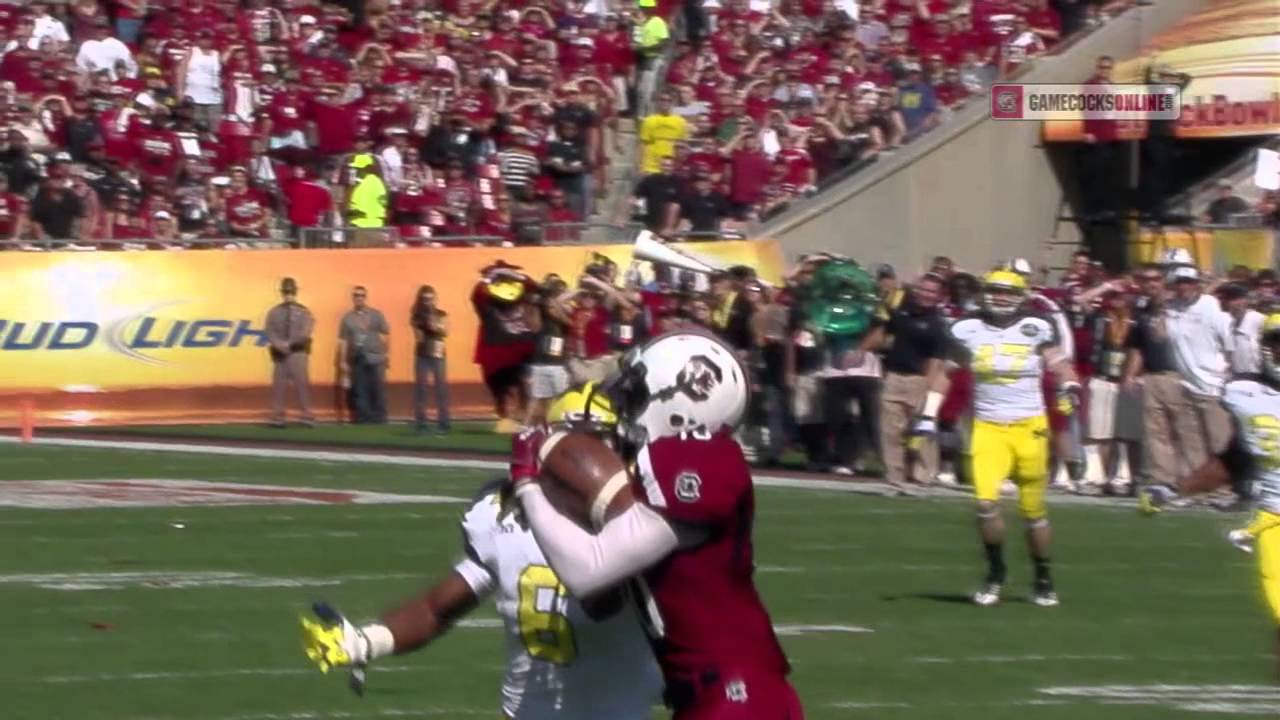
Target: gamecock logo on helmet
699	377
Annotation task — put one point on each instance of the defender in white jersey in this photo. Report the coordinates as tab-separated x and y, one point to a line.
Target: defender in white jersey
1251	459
566	658
1008	351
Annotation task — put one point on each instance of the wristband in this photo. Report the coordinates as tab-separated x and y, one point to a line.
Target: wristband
932	403
381	641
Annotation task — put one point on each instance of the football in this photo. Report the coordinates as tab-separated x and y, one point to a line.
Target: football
576	469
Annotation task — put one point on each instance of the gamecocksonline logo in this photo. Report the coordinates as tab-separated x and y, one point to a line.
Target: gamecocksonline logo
136	336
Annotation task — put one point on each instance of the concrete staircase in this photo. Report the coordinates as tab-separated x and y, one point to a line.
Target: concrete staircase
622	175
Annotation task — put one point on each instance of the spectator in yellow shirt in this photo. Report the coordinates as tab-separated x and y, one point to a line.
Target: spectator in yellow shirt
659	134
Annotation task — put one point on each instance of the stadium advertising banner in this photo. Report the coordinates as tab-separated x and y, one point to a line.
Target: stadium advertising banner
1231	53
1215	250
178	336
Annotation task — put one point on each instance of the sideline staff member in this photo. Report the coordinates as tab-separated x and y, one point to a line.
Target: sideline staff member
363	345
916	344
289	328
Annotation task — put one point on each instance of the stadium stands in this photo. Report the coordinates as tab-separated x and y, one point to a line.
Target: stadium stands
221	120
827	87
206	122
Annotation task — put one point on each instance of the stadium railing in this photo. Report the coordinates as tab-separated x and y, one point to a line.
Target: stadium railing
549	234
138	244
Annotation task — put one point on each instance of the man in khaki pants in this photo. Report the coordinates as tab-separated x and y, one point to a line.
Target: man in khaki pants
289	328
914	341
1179	347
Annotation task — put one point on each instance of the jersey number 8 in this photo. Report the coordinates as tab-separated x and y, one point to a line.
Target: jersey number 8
544	627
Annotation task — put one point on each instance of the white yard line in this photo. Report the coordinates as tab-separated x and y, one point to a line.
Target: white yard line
345	715
376	458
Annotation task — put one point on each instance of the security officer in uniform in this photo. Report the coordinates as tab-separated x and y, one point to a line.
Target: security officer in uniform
289	328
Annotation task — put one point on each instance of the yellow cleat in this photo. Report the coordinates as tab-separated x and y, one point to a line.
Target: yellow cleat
1153	499
323	645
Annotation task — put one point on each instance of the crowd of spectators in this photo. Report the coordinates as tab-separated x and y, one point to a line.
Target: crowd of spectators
766	101
143	121
1123	332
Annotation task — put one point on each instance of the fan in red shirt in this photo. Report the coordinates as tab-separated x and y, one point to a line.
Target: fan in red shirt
13	211
414	206
475	99
558	211
951	91
156	146
800	172
248	210
702	159
235	142
287	119
309	202
749	170
459	196
120	222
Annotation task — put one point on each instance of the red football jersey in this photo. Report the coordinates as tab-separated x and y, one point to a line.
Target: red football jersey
711	614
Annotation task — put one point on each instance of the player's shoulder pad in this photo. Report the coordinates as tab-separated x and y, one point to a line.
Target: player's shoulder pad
966	326
481	521
694	479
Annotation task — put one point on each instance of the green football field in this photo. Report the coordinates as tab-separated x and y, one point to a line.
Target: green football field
190	612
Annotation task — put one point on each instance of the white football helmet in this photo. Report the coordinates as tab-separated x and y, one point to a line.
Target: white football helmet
680	382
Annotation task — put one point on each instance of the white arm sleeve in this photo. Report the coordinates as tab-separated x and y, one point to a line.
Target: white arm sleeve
477	576
586	563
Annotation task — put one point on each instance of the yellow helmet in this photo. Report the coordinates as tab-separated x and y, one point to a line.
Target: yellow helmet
1002	293
506	290
1271	324
583	408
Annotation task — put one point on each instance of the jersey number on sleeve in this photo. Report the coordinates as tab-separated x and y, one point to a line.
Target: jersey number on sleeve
544	627
985	357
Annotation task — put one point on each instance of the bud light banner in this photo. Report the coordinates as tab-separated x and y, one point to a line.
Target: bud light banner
135	337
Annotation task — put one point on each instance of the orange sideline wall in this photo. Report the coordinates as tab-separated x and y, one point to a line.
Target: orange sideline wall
97	338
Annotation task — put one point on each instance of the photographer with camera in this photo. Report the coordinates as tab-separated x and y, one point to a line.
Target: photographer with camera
595	303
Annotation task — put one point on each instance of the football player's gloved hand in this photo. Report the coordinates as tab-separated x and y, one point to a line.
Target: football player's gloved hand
1154	498
923	426
332	641
525	446
1069	394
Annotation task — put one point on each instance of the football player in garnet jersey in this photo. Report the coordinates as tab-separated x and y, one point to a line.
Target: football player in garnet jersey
687	534
1008	350
564	656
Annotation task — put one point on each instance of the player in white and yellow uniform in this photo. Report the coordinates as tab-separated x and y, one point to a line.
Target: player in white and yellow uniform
561	663
1007	351
1252	458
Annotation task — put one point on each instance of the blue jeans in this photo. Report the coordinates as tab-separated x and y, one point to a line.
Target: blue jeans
128	30
435	367
368	395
